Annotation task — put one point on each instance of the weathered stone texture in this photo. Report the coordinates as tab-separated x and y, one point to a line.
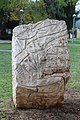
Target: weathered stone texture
40	64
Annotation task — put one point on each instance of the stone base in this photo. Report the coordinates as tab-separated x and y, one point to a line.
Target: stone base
39	97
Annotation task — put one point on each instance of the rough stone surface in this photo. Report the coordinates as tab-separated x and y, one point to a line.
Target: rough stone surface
40	64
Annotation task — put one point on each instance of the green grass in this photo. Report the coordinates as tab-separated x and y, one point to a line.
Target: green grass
76	41
5	74
5	46
74	64
5	77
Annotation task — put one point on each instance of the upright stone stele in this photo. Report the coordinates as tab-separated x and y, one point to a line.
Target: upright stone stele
40	64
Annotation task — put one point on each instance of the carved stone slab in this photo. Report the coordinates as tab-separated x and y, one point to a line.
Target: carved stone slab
40	64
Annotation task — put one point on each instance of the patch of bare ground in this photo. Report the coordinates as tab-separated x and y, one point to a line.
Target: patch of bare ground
69	111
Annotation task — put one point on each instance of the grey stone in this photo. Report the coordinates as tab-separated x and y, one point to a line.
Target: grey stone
40	64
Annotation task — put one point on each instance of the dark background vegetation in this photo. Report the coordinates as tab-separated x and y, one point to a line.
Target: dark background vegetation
33	12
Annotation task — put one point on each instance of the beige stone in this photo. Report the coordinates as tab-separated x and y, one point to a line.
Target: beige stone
40	64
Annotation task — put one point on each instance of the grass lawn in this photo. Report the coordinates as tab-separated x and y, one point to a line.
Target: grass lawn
5	77
6	70
5	46
75	63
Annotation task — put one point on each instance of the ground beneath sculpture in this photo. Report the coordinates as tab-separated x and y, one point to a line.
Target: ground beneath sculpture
69	111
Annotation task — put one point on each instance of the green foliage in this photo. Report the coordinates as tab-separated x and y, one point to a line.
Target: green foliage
39	10
3	16
33	11
61	9
4	3
3	11
10	12
54	8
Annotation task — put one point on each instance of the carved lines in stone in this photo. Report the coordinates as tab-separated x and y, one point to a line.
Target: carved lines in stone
59	33
37	63
43	52
61	61
44	47
19	47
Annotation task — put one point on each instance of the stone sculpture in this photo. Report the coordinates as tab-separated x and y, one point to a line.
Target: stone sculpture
40	64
